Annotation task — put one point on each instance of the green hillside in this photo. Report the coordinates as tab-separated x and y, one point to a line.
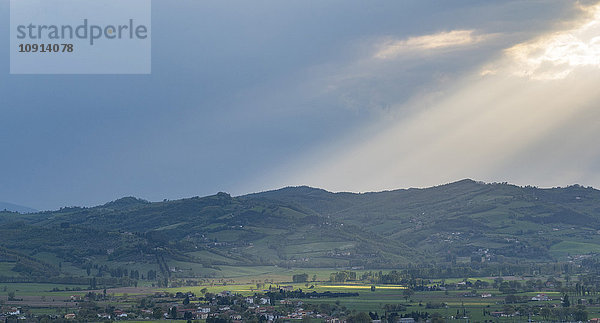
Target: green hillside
463	217
463	222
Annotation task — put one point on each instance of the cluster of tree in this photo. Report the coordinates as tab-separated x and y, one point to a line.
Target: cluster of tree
401	275
511	299
416	315
394	308
151	274
93	296
34	268
578	314
507	287
282	294
118	272
512	287
434	305
393	277
360	317
342	276
300	278
396	277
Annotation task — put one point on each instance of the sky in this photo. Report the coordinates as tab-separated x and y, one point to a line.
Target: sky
246	96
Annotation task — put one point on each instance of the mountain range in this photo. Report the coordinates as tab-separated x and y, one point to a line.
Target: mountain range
466	222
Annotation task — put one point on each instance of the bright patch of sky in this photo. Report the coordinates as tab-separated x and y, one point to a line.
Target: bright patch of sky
528	117
555	55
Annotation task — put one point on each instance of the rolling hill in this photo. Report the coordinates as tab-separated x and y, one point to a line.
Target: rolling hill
466	222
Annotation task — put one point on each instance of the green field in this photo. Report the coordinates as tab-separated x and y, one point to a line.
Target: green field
566	248
34	289
453	301
246	274
374	301
6	269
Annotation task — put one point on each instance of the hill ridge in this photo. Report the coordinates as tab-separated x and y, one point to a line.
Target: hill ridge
310	227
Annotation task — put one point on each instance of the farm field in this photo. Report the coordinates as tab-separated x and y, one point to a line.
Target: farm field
445	303
460	300
35	289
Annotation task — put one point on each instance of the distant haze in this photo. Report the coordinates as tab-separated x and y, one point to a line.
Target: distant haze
15	208
343	95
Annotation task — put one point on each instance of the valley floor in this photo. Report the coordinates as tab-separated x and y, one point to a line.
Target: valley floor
258	296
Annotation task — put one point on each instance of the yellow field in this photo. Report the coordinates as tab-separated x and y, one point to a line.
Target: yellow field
363	286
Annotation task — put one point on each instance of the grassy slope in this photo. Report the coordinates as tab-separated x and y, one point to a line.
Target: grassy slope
465	216
306	227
